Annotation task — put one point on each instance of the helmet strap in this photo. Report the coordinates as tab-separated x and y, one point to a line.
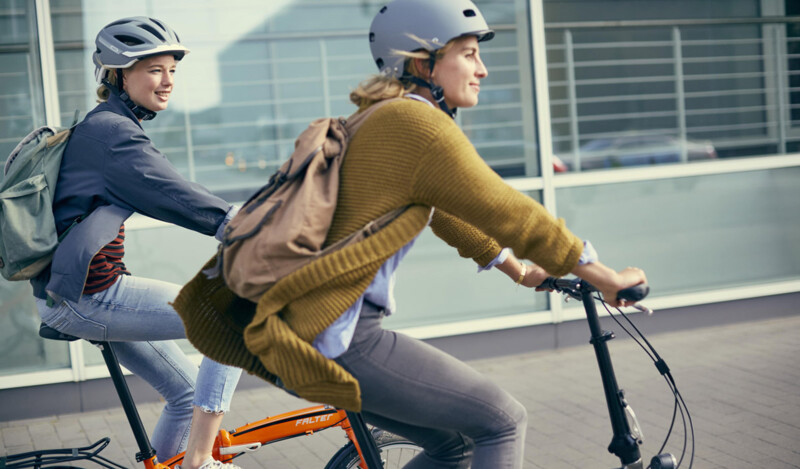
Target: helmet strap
141	112
437	92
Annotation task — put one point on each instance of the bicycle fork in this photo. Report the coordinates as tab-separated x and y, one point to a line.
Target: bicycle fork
625	443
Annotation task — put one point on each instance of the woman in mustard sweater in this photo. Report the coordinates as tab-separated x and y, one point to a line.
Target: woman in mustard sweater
318	331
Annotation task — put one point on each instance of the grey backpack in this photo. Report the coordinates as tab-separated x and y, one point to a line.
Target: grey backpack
27	226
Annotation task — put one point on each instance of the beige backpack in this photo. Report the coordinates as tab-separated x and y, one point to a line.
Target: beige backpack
283	226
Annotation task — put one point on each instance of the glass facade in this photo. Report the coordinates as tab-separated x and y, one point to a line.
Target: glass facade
708	83
653	83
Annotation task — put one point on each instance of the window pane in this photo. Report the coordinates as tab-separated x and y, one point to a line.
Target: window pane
660	94
436	286
694	233
259	72
21	110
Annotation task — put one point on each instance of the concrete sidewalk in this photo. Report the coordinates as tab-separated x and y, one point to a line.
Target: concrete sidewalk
741	383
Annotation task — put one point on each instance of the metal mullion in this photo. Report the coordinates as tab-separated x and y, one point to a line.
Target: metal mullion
671	22
619	62
650	132
52	111
704	94
621	44
266	101
572	100
504	143
614	81
543	130
640	97
720	42
680	99
326	91
674	171
717	76
699	112
781	94
628	115
714	128
493	125
729	58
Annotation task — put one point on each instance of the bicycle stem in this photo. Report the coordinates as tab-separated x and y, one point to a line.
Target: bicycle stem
623	445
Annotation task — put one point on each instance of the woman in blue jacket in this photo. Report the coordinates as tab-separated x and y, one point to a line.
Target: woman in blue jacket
111	169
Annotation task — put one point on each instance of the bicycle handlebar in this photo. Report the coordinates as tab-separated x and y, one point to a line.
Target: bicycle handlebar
572	287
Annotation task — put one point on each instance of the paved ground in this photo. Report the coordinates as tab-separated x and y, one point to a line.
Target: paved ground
741	383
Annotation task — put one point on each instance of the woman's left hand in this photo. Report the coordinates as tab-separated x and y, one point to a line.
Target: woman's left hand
532	278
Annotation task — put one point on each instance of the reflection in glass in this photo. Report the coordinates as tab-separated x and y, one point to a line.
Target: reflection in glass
436	286
21	110
694	233
651	94
259	72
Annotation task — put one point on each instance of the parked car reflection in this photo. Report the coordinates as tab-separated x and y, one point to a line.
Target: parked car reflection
636	150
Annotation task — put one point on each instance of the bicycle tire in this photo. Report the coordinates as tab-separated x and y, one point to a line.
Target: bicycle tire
396	451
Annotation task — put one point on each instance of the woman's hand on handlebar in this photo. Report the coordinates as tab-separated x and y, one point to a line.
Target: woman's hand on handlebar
532	277
608	282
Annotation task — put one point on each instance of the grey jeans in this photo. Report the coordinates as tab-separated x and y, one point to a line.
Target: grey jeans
410	388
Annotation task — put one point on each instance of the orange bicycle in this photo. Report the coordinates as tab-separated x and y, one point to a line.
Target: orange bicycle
366	449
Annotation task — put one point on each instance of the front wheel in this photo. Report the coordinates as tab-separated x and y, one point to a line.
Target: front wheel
396	452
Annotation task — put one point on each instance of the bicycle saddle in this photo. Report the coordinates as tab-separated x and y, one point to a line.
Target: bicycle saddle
48	332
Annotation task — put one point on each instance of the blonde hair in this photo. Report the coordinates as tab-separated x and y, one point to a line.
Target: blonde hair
379	87
110	75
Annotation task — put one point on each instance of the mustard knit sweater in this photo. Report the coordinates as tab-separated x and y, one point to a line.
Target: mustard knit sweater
406	153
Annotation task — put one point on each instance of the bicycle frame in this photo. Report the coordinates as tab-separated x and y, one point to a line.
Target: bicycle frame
252	436
228	445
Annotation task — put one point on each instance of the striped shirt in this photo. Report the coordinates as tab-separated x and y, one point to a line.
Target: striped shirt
107	265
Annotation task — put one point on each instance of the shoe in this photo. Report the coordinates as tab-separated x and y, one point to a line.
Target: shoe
211	463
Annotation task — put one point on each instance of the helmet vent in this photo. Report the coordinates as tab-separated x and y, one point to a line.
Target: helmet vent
379	62
383	9
152	31
371	37
128	40
469	13
159	23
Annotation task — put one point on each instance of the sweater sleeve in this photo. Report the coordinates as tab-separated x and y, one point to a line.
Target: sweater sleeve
475	194
470	241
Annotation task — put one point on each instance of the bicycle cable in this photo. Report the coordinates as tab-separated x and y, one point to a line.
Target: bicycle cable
661	365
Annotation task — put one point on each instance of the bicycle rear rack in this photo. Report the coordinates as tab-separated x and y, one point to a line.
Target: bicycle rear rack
49	457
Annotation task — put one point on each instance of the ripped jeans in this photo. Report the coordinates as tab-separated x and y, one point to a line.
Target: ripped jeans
136	316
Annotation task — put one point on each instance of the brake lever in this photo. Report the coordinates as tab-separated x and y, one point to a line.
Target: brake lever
642	308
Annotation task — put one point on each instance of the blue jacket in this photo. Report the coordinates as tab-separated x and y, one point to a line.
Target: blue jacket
109	170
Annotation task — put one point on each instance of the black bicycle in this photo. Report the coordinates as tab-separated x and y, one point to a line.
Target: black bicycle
627	433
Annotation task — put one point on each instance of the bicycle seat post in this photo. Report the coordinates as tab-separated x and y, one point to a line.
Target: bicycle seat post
146	451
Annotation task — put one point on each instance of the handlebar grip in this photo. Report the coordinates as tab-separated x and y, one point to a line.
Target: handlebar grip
634	293
550	283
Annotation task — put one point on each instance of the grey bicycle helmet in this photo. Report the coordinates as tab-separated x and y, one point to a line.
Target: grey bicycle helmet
434	21
121	43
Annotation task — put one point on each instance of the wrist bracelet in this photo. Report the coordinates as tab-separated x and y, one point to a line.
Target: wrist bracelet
522	273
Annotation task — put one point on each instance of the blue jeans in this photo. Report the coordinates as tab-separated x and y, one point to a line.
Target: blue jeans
136	316
458	416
